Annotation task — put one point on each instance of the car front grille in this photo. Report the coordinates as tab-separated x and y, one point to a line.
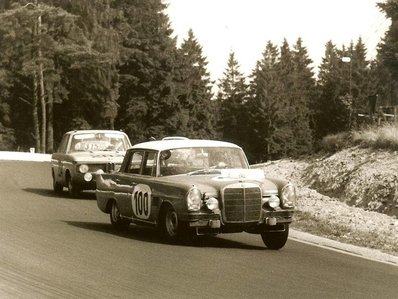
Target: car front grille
241	203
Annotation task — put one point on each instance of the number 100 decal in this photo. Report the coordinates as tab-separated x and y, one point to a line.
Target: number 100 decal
141	201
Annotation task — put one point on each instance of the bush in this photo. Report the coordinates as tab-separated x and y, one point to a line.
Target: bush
385	137
335	142
7	139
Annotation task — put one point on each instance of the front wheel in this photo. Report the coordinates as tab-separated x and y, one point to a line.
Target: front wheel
73	190
57	186
170	226
275	240
116	220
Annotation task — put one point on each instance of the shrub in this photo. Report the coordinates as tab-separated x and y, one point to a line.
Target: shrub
7	139
385	137
335	142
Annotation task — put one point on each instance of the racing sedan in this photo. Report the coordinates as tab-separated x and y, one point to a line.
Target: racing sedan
82	153
196	187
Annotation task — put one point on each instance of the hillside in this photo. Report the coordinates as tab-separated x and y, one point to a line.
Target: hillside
350	196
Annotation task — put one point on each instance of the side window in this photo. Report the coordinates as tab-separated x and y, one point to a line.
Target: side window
63	144
134	165
149	167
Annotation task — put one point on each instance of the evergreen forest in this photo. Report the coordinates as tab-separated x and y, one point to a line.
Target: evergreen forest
114	64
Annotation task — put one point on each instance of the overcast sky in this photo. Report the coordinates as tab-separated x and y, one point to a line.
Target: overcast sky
245	26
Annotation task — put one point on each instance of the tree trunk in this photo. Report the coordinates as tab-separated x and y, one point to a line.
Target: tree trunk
35	115
50	119
42	99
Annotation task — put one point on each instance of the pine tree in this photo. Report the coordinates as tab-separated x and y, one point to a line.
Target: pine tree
360	77
91	77
148	104
193	89
231	98
334	101
304	99
262	105
387	55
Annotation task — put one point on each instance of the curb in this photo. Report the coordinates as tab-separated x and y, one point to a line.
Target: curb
367	253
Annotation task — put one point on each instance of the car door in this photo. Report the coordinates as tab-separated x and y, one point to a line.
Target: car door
58	157
133	189
144	204
126	181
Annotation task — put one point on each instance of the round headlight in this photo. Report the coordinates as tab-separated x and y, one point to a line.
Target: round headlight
88	177
194	199
212	203
83	168
289	196
274	201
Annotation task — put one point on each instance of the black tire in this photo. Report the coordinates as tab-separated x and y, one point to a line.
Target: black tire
170	226
73	190
275	240
57	186
116	220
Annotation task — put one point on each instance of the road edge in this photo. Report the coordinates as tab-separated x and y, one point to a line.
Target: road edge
363	252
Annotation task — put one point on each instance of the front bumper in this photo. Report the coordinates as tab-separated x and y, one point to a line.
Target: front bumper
213	223
78	180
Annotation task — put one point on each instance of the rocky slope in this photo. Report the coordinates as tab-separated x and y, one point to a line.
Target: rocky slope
350	196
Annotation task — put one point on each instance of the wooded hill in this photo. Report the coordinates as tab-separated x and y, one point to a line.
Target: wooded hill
114	64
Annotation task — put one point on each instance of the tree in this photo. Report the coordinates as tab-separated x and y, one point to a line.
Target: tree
303	99
193	90
334	103
387	54
36	37
262	105
148	103
231	98
89	69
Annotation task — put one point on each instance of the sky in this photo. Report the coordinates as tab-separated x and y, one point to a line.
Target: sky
245	27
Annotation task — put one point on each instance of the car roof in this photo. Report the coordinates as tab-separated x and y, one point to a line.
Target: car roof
94	132
160	145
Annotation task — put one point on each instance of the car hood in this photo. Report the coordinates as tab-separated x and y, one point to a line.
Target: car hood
219	178
98	156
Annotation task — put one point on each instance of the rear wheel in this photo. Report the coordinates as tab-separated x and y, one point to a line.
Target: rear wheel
116	220
275	240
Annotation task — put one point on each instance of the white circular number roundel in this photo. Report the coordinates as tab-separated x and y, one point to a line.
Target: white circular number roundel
141	201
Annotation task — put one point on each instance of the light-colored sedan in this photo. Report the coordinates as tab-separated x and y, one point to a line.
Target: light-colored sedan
82	153
200	187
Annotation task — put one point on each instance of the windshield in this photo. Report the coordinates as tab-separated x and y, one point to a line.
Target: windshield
98	142
202	159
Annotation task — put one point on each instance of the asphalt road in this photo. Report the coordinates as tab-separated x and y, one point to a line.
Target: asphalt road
58	247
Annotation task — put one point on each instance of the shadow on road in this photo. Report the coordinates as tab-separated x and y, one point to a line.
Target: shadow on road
151	235
87	195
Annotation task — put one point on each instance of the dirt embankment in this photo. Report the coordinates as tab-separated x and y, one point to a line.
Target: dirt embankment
350	196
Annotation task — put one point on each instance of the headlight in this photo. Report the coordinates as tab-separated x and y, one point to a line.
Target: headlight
212	203
88	177
288	196
273	201
194	199
83	168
